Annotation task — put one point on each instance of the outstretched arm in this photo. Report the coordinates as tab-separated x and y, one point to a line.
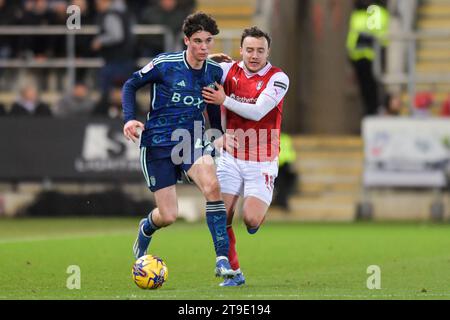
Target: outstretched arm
220	57
249	111
268	99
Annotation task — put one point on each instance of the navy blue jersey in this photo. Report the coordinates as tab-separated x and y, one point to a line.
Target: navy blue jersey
176	97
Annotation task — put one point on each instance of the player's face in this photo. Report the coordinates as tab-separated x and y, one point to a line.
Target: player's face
255	52
199	45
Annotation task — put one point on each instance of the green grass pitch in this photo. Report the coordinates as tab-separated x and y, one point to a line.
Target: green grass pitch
289	261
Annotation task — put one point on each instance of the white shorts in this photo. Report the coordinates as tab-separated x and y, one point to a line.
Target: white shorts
247	178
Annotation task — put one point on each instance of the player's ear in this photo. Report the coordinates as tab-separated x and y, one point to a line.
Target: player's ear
241	51
186	41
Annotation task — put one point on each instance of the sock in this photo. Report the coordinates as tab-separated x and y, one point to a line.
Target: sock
216	217
149	227
232	254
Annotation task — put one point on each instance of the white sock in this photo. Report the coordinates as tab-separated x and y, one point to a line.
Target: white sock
221	258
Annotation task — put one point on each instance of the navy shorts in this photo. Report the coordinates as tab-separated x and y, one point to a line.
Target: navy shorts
162	169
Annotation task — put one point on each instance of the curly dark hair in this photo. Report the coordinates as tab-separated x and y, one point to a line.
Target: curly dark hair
199	22
255	32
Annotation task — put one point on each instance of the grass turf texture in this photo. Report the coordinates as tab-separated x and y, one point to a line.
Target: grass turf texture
283	261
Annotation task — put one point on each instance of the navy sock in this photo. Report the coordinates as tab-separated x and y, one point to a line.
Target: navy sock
216	217
252	231
149	226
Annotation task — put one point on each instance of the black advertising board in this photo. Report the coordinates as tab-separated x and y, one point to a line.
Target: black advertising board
92	149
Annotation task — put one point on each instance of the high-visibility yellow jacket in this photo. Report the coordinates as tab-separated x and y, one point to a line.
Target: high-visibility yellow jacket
365	27
287	152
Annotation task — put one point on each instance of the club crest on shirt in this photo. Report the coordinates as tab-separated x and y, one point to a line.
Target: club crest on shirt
259	85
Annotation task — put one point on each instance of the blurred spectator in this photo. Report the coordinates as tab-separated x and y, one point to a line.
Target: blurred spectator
29	104
187	6
7	43
83	42
11	11
423	102
139	6
168	13
135	7
87	11
6	18
286	182
58	11
445	109
115	45
36	12
394	105
113	105
360	43
77	103
58	16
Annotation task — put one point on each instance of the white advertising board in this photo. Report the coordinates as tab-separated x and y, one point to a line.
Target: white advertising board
406	151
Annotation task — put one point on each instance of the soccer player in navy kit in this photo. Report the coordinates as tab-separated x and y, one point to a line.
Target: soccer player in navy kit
177	105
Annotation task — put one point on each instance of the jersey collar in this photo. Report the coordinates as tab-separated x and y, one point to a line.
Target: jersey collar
188	66
260	73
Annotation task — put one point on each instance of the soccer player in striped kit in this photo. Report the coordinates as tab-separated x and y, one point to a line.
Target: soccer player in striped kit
252	102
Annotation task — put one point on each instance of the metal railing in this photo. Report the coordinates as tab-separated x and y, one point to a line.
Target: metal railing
71	62
410	77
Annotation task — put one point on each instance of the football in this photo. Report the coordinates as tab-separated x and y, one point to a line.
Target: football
150	272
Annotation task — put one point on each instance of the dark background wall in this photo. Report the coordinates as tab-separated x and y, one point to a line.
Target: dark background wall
309	44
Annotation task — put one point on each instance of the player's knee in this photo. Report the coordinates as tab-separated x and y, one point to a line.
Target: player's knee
168	219
211	189
252	222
